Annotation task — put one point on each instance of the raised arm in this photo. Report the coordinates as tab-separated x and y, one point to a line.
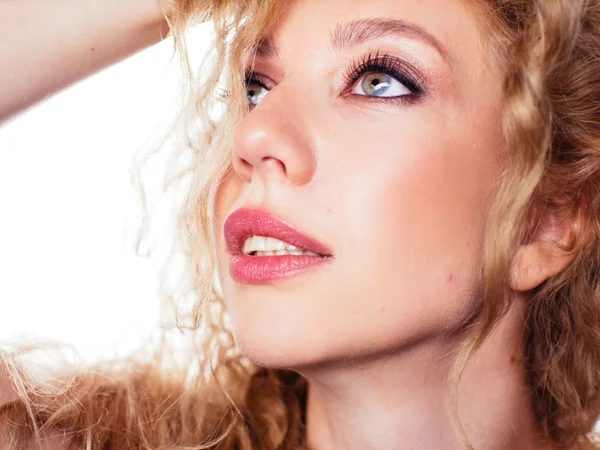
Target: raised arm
45	45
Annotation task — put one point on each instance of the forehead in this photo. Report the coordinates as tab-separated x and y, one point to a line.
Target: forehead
452	25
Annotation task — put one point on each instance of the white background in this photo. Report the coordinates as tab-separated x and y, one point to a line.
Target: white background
68	210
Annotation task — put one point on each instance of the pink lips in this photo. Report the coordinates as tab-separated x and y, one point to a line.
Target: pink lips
263	269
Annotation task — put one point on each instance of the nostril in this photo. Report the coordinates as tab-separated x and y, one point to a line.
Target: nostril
243	168
246	164
273	147
274	164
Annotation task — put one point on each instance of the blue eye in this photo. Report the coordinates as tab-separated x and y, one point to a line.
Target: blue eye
256	91
382	76
379	84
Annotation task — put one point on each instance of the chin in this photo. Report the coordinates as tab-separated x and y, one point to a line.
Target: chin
276	344
282	325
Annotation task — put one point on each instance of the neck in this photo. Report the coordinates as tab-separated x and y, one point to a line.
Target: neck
400	401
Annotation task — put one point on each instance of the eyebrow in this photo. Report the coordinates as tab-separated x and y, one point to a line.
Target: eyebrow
346	35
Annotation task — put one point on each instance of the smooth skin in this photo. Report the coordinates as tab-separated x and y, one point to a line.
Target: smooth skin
45	45
400	190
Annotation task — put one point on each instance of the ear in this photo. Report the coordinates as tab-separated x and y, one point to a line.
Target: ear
548	253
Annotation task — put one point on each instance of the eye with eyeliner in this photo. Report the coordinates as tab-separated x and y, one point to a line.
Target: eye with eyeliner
376	63
252	77
369	63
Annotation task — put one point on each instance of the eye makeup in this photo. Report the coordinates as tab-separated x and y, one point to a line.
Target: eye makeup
374	62
371	62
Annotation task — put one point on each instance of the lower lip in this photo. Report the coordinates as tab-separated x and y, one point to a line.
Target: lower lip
265	269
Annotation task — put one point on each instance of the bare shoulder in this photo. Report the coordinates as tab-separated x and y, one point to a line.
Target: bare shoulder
7	394
55	441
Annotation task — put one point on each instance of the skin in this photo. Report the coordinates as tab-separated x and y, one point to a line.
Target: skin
400	192
375	331
67	40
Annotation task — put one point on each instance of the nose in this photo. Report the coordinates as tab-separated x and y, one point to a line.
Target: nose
273	141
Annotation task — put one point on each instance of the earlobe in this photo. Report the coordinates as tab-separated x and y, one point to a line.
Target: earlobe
549	252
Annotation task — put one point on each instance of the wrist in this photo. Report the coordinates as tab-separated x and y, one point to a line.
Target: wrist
155	19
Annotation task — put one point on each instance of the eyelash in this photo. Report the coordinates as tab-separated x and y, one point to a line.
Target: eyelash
388	65
370	63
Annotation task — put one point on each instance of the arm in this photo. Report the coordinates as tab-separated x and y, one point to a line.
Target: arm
46	45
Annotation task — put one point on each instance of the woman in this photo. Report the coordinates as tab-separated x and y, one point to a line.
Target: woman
400	204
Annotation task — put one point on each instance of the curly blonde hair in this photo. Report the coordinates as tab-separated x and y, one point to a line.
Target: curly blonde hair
550	52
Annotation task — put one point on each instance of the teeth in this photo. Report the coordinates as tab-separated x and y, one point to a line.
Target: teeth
284	252
267	246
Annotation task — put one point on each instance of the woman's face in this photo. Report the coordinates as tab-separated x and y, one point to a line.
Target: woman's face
375	128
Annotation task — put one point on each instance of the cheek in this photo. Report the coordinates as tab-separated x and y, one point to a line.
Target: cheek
434	187
227	195
416	215
406	221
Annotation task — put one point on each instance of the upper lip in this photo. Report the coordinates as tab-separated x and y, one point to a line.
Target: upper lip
246	222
